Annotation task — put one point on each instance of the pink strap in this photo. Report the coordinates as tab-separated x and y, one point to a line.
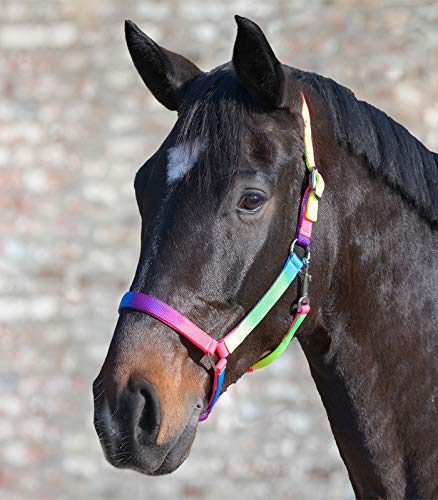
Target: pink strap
304	229
171	317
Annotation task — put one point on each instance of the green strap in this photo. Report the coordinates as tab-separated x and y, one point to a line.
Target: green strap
272	356
270	298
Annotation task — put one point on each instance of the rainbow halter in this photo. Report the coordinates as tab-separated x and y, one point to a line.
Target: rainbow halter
291	269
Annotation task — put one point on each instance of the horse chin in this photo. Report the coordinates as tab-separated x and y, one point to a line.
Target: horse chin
173	460
177	453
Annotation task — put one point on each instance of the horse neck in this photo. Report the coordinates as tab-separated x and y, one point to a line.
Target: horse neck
374	345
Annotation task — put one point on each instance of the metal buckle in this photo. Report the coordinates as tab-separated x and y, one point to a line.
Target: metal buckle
305	278
313	182
296	308
312	178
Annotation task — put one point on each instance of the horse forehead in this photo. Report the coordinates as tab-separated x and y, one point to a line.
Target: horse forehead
181	158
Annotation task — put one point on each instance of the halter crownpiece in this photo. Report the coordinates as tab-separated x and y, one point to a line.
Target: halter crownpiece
291	269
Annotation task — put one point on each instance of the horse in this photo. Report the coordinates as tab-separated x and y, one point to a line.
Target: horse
219	203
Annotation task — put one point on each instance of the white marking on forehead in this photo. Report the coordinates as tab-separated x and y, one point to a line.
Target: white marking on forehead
180	159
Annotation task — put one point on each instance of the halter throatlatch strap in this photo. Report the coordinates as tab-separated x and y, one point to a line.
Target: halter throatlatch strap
300	316
265	304
293	266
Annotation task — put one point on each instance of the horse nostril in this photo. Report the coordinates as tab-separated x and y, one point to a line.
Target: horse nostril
147	414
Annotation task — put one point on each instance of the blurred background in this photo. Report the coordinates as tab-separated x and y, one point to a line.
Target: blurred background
75	124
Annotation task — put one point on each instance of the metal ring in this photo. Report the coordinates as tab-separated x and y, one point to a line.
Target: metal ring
292	245
303	300
306	249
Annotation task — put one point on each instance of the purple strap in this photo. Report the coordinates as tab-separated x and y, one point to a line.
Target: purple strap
171	317
304	229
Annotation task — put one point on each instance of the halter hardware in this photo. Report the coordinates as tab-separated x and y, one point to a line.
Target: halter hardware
312	178
293	267
306	258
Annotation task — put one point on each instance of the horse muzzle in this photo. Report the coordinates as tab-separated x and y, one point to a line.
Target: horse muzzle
129	427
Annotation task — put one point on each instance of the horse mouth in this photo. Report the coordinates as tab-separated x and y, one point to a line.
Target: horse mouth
174	457
177	454
150	460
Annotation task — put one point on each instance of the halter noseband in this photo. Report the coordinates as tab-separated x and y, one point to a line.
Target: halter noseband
291	269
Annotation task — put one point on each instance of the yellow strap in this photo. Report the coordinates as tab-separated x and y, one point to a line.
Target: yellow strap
312	203
312	208
308	144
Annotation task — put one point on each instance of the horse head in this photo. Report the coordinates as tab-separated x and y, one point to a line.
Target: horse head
219	202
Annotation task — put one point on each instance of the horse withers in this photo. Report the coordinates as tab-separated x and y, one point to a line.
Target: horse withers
220	202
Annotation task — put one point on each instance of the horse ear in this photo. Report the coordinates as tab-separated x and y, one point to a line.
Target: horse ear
163	71
256	66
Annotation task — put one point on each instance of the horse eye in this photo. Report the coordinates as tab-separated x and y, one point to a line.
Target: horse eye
251	202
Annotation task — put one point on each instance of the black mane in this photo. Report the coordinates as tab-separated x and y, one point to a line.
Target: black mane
218	110
390	150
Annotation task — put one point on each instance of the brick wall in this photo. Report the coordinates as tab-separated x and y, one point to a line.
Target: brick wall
75	124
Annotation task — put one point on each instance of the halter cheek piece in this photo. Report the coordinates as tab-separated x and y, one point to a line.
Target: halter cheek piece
293	267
